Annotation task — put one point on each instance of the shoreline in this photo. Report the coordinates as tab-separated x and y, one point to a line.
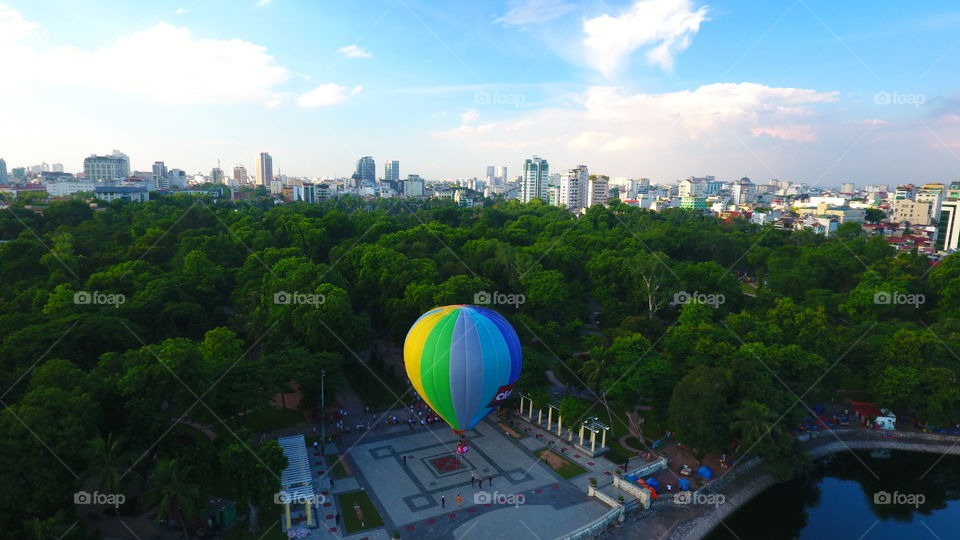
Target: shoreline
680	522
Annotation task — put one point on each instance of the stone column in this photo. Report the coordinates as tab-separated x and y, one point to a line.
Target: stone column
539	416
593	441
286	513
549	417
559	424
531	409
521	404
603	439
581	434
309	510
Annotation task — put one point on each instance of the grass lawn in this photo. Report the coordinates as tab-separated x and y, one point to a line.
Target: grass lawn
371	518
271	418
510	431
564	467
337	470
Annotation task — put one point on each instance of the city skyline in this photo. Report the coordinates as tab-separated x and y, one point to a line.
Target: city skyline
653	88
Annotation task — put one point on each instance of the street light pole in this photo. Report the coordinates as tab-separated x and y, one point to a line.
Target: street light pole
323	420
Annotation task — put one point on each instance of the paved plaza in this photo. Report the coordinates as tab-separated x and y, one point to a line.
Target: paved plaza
418	499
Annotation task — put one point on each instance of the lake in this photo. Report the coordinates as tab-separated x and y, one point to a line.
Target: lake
885	495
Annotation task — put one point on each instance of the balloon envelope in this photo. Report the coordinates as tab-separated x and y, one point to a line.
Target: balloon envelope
463	360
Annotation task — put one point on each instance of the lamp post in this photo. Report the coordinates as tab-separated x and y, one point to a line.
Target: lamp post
323	420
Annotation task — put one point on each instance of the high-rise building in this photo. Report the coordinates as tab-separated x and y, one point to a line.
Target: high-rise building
491	174
573	188
366	170
848	187
742	191
216	175
240	174
391	171
912	212
264	169
502	177
159	175
109	168
56	167
948	228
3	172
598	191
693	187
176	179
536	172
413	186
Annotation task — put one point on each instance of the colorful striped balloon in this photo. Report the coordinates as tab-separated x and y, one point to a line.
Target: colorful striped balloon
463	360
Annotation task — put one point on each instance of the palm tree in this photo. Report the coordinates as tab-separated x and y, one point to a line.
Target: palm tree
41	529
105	465
594	367
754	420
174	495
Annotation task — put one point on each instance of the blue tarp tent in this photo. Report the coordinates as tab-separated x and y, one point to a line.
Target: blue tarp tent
652	482
705	472
683	484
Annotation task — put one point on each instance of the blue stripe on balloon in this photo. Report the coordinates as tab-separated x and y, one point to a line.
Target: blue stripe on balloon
509	336
478	368
495	371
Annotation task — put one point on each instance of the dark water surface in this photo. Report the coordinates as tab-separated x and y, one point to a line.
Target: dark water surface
837	500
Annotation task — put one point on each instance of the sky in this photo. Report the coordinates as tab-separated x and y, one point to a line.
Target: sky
811	91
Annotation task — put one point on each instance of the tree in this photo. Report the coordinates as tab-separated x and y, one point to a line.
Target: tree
698	409
256	472
875	215
174	495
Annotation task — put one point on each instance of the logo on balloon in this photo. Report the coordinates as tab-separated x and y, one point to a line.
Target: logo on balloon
502	393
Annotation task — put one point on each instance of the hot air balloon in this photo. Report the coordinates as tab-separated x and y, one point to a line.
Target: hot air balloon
463	360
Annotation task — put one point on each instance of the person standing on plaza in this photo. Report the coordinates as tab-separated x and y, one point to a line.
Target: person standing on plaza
443	502
459	500
490	480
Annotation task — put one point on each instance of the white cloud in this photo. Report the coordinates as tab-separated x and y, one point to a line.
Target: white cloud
353	51
263	3
164	63
469	116
327	94
180	11
611	121
534	11
13	26
664	25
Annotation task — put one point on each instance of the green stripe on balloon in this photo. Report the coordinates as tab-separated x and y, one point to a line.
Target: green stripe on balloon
435	373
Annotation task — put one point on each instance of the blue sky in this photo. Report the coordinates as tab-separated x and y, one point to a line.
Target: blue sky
810	91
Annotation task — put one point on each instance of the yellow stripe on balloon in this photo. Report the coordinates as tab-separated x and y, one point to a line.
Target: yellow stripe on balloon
413	347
